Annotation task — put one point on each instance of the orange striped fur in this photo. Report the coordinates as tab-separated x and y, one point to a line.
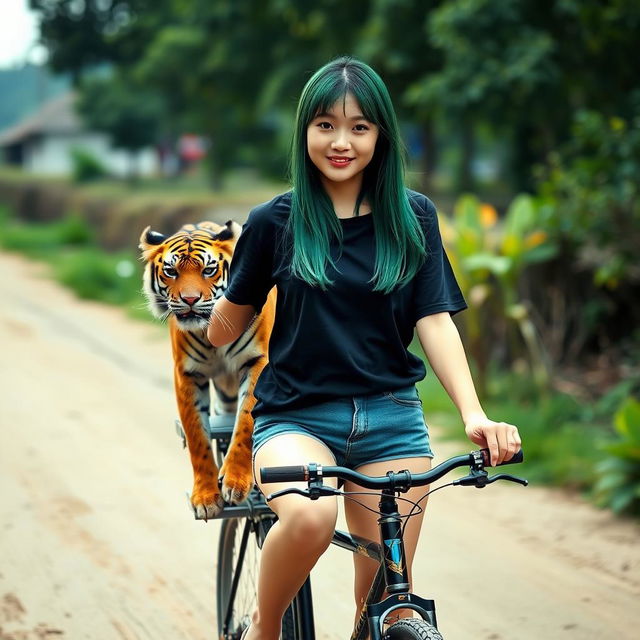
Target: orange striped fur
184	275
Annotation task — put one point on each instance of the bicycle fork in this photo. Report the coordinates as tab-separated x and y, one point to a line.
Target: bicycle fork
395	572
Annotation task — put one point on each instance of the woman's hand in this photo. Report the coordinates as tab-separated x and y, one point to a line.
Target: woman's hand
502	439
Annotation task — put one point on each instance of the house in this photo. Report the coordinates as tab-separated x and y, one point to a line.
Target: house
42	143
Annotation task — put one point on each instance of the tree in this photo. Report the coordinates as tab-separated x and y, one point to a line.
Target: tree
130	117
395	42
74	32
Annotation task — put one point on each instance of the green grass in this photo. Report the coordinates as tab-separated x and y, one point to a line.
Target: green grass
77	261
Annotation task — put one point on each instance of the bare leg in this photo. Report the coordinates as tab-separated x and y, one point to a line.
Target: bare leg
301	535
364	523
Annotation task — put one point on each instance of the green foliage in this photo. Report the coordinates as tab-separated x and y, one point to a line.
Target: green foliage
43	240
591	195
94	275
618	485
85	166
76	260
129	114
489	257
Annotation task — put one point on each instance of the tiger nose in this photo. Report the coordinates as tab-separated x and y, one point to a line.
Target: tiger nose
190	300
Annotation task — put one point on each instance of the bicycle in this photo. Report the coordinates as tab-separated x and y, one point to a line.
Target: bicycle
235	583
244	528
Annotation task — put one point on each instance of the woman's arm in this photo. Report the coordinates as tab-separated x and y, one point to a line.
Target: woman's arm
441	344
228	321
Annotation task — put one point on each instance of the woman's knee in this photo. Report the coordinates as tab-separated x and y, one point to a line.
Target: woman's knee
310	525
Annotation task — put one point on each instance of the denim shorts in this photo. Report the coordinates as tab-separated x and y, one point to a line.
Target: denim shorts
358	430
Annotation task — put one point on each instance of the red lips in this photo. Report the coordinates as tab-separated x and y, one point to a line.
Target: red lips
339	161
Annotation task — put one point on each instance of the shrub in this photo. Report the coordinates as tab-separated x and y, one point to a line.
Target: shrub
618	485
85	166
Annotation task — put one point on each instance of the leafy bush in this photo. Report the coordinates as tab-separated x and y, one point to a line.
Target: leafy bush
77	261
489	256
109	277
618	485
591	194
85	166
40	240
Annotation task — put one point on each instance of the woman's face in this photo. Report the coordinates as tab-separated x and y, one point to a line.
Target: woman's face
341	142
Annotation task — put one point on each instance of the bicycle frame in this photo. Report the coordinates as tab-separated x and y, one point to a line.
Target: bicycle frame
391	576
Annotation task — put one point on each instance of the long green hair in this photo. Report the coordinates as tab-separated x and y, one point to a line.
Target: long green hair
313	223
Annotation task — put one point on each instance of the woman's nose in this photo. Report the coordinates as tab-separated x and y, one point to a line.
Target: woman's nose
341	141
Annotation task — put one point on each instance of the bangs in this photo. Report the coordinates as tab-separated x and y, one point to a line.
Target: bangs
324	95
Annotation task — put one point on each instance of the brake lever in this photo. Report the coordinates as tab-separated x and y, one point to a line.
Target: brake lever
314	493
481	479
510	478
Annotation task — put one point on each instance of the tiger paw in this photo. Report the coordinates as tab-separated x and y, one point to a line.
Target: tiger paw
236	483
206	502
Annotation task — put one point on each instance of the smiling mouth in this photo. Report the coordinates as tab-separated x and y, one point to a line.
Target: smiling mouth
339	161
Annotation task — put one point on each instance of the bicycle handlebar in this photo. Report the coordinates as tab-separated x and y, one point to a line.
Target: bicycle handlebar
393	480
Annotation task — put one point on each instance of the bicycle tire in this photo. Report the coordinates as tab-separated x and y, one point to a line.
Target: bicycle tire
412	629
240	541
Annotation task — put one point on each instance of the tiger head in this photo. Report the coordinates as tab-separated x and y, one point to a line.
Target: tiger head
187	272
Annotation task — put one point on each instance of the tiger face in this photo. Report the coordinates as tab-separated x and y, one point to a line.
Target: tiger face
187	272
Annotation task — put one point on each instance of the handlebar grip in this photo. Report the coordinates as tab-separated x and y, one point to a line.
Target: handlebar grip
284	474
516	459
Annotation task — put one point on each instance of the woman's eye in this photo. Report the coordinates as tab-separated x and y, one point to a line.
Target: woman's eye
170	272
324	125
361	127
209	271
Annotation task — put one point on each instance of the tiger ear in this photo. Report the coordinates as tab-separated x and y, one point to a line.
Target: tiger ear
149	241
231	230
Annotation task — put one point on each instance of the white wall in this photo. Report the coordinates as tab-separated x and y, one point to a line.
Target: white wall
51	155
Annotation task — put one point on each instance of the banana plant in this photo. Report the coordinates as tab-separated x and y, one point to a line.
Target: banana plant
489	255
618	485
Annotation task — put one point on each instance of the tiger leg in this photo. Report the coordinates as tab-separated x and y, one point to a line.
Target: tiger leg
236	471
192	394
226	393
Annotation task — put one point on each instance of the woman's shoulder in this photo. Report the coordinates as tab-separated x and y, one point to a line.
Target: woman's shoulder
273	212
422	206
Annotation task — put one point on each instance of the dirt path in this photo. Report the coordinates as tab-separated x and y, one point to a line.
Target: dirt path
96	540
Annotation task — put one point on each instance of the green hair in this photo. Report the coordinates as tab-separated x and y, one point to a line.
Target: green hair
398	235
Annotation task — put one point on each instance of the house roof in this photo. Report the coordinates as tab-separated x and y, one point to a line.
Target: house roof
57	116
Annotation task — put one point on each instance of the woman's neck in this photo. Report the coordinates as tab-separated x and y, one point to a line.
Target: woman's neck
344	196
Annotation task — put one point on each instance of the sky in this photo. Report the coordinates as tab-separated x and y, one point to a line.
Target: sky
18	34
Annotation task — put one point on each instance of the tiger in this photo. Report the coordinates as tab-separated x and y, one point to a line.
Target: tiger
184	274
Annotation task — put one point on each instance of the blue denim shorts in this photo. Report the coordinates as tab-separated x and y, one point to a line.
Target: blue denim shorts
358	430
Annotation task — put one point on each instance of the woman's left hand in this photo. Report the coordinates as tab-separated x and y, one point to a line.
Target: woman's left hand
502	439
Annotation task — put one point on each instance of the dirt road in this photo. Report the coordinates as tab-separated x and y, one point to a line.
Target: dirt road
96	540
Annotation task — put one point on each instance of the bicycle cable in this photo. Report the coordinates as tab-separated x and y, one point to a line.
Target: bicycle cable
417	503
349	494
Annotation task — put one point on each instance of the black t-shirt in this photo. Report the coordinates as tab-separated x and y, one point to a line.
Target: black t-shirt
347	340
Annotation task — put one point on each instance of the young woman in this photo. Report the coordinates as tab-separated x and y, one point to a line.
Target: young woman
358	263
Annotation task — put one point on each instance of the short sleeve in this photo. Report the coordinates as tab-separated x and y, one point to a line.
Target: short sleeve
250	277
435	286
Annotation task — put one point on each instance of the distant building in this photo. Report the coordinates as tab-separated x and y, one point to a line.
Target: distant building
42	143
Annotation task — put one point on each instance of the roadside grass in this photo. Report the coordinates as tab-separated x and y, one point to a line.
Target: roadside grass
77	261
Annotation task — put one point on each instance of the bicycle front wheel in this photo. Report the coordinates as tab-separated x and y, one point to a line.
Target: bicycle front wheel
237	579
412	629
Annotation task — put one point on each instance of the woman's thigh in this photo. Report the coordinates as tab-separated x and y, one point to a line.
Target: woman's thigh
364	523
296	449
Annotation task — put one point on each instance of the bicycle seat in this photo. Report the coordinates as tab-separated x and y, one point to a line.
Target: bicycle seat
221	426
